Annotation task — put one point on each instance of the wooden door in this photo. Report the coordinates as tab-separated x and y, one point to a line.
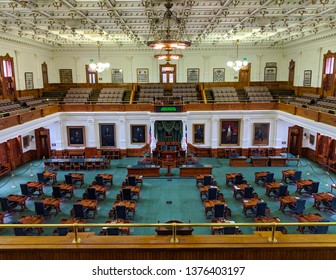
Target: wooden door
295	140
291	72
167	73
91	76
45	75
329	74
244	76
42	138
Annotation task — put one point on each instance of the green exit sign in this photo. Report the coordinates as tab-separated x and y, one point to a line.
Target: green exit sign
168	109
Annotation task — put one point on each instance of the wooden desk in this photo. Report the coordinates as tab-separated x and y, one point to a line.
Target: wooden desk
135	190
138	178
67	188
33	220
250	203
230	176
89	204
308	218
200	178
289	157
118	222
50	175
260	175
272	187
100	190
287	173
168	230
145	171
259	161
239	189
129	204
194	170
19	200
286	201
303	185
36	186
277	161
107	178
322	197
78	177
210	204
268	220
53	203
219	229
204	191
169	165
68	221
238	161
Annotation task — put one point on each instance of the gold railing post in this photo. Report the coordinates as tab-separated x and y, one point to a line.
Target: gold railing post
174	239
76	240
272	238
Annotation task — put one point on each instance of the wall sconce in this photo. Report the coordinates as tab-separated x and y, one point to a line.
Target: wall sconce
32	138
305	136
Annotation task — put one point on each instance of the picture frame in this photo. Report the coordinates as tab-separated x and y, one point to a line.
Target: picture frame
218	75
107	135
76	136
270	74
26	141
311	139
198	133
117	76
29	81
307	76
192	75
142	75
260	134
65	76
138	134
230	132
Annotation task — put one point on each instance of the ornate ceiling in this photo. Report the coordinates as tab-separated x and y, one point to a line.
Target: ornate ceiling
131	23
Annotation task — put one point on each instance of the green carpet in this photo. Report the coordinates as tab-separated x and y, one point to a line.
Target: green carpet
168	198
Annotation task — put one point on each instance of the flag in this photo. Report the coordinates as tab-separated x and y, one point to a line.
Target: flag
150	135
186	134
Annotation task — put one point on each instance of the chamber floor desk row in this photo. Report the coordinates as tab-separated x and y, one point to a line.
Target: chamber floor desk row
263	161
72	162
154	170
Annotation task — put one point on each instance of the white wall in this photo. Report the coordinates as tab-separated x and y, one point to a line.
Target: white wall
58	123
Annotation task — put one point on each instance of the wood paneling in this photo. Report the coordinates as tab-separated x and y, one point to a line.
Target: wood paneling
202	247
133	152
307	113
28	156
308	153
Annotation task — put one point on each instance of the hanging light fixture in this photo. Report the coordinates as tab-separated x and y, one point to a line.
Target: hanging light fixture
169	42
237	64
99	66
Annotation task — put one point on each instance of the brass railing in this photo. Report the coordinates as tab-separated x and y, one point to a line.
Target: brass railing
173	226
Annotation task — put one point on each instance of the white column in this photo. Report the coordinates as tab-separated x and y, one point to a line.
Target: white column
153	140
92	137
121	134
17	71
245	132
320	68
214	133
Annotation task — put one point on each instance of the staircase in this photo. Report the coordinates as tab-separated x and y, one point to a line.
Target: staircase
127	97
209	96
94	96
54	95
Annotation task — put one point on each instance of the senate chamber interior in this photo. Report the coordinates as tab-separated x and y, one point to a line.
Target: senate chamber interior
167	129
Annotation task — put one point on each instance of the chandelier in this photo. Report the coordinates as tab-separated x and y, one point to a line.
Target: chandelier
168	56
99	66
170	39
237	64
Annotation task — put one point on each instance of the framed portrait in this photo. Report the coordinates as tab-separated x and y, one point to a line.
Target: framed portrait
29	81
76	135
117	76
138	134
230	132
218	75
307	75
311	139
142	75
270	74
192	75
198	133
107	134
26	141
260	133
